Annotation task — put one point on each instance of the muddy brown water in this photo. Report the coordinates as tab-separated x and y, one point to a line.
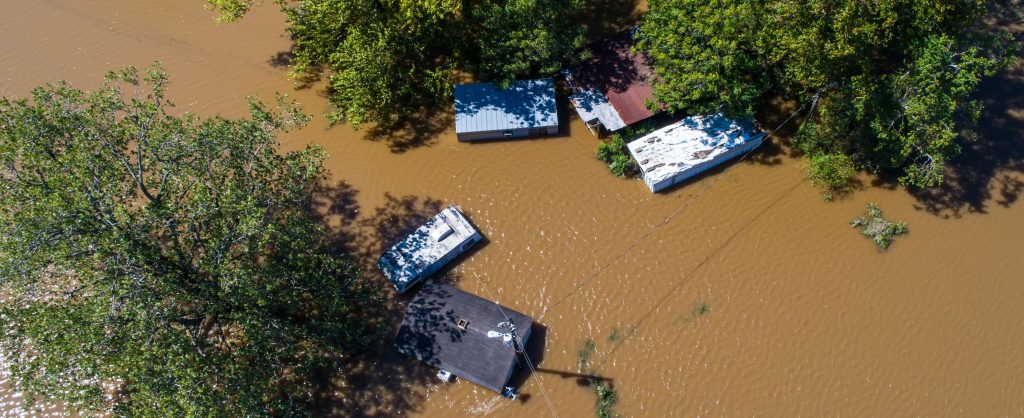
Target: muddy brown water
756	298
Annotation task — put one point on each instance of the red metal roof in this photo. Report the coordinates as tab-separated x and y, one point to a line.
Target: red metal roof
623	76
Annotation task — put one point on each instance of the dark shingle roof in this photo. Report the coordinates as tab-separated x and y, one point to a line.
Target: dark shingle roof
431	333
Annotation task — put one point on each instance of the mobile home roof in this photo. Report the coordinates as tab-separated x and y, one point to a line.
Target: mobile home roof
483	107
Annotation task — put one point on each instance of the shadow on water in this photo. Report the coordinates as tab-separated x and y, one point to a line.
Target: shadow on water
380	381
990	168
416	128
603	18
776	116
282	59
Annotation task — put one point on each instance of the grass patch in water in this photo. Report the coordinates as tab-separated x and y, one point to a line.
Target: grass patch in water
605	393
701	309
583	355
614	336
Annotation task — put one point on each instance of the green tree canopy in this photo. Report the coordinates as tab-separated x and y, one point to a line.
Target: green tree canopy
170	261
884	82
389	58
525	38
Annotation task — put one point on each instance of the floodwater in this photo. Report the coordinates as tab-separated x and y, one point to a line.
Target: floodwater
741	293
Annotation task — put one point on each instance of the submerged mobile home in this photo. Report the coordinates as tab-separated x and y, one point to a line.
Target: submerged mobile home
691	146
526	108
425	251
463	334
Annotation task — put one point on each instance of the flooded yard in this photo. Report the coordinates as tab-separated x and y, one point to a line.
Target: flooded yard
739	293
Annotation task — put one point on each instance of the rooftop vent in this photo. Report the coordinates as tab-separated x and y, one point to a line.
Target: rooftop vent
462	324
441	232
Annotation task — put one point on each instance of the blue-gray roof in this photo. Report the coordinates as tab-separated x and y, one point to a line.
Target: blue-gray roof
483	107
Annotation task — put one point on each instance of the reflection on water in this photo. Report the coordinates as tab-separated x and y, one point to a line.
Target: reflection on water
801	314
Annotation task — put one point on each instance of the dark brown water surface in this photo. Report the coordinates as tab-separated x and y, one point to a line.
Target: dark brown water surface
755	298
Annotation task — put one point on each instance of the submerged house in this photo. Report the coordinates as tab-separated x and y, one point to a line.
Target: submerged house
425	251
463	334
691	146
612	89
526	108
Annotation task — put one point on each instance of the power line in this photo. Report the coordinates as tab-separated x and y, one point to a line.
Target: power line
522	346
667	220
700	265
629	248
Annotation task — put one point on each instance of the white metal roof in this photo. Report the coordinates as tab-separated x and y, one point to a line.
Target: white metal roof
591	104
674	149
432	241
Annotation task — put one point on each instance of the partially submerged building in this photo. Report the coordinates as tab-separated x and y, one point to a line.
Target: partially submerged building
463	334
691	146
485	111
613	89
425	251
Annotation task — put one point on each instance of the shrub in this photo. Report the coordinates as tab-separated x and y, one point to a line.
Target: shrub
606	398
832	172
615	153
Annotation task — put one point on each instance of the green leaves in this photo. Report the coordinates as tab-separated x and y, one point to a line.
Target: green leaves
389	59
705	54
877	228
382	58
171	258
527	38
832	172
230	10
890	79
615	151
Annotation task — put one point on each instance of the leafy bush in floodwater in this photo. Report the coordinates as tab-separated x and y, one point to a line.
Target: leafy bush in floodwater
877	228
606	398
615	153
831	172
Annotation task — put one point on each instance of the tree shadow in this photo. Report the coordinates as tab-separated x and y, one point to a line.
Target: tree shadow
990	168
775	116
415	128
603	18
379	381
615	75
285	59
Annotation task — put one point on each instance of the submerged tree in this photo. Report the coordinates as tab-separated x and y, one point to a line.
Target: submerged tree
881	231
887	83
389	58
169	262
